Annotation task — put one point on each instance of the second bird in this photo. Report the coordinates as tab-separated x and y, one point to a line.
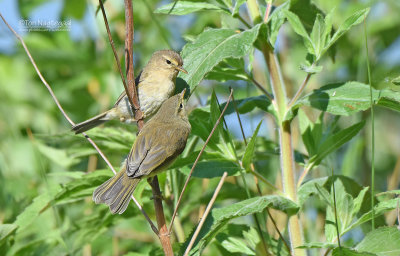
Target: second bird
155	84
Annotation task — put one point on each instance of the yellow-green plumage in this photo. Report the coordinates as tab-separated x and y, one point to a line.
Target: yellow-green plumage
160	141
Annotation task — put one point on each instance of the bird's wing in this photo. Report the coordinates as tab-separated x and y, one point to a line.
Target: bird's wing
152	150
123	94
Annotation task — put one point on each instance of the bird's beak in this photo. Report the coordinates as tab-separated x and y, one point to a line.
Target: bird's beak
181	69
183	93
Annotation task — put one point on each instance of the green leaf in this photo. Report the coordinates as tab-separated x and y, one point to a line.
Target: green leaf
30	213
211	47
316	35
348	98
221	216
353	20
297	26
6	230
247	105
275	21
237	6
383	241
396	81
311	69
82	187
58	156
313	245
234	245
186	7
249	151
342	251
335	141
380	209
359	200
212	168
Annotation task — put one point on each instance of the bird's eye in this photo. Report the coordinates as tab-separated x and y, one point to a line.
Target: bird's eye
181	105
168	62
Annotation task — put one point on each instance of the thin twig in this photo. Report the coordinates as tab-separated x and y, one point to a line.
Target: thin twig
206	212
298	93
334	207
304	174
68	118
267	12
113	46
259	86
198	158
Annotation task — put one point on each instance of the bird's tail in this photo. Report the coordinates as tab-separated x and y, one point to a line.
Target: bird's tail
90	123
116	192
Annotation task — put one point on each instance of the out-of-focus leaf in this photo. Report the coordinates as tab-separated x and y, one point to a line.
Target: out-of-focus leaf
221	216
6	230
186	7
58	156
249	151
235	245
306	11
211	47
348	98
310	68
74	8
313	245
383	241
237	6
396	81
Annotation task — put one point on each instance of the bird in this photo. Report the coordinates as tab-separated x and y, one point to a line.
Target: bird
161	140
155	84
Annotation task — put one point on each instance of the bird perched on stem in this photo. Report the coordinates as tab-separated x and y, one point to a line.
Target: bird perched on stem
155	84
157	145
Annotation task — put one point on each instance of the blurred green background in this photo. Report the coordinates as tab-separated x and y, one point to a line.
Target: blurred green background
38	153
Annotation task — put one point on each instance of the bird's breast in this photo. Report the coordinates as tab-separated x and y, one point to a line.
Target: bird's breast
153	93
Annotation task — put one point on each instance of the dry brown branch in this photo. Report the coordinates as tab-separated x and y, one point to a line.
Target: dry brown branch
206	212
68	118
198	158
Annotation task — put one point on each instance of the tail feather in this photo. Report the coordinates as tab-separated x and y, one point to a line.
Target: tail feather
90	123
116	192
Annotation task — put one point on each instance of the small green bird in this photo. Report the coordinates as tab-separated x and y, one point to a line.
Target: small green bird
157	145
155	84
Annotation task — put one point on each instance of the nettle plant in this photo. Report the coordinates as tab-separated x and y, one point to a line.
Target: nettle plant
270	199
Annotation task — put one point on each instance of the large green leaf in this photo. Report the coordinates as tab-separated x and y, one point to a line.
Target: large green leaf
384	241
348	98
221	216
211	47
298	27
186	7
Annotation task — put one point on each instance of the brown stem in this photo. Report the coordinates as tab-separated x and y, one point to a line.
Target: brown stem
198	158
131	91
68	118
162	226
206	212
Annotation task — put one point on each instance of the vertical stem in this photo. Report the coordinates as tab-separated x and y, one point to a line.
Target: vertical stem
252	6
162	227
289	185
372	130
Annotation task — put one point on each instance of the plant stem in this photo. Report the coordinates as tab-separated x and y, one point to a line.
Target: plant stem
254	11
289	185
372	130
298	93
162	227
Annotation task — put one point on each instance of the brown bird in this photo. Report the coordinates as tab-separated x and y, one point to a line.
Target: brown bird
156	83
157	145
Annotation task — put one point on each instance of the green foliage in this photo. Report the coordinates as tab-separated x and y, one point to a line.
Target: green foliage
48	174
